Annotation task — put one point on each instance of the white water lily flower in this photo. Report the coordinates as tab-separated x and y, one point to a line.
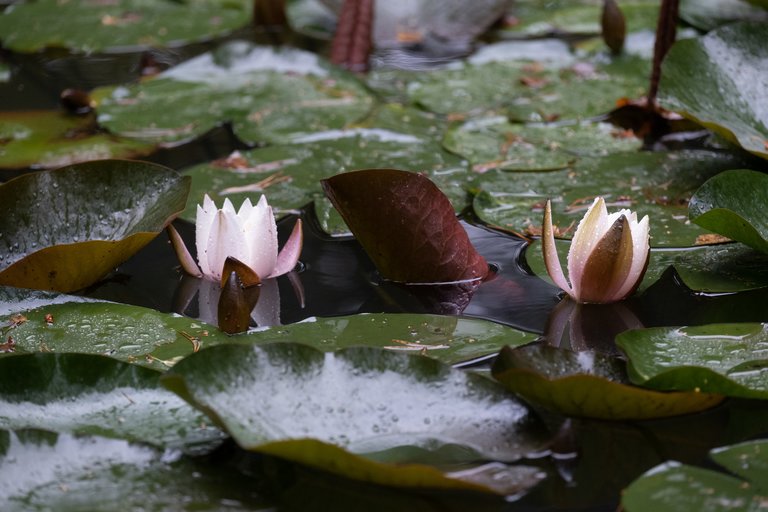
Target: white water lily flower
248	235
608	255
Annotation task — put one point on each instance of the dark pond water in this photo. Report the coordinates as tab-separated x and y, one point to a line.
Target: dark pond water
591	461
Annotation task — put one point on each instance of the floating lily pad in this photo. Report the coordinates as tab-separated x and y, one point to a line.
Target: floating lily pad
495	143
731	100
728	359
446	338
290	175
270	95
713	268
656	184
709	14
128	333
67	228
87	26
674	486
52	139
362	400
733	204
42	471
587	384
86	394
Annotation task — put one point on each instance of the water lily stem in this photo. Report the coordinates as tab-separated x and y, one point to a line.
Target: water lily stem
666	31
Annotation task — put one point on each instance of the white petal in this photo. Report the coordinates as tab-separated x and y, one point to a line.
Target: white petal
640	253
205	215
245	209
261	235
225	239
589	232
549	250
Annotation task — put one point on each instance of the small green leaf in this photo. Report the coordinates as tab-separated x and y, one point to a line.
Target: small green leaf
65	229
717	358
587	384
733	204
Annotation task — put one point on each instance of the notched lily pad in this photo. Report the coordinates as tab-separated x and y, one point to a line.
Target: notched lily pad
304	393
270	95
53	139
731	99
673	486
67	228
729	359
87	394
587	384
733	204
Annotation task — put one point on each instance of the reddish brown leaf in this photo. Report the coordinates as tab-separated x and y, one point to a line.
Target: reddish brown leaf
406	225
353	39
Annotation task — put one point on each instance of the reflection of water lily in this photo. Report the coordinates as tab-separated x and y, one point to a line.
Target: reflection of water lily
608	255
248	235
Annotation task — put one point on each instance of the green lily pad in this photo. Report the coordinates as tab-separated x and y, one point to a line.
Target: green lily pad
587	384
86	26
656	184
67	228
128	333
731	101
495	143
710	14
733	204
674	486
87	394
448	339
270	95
290	175
728	359
715	268
52	139
43	471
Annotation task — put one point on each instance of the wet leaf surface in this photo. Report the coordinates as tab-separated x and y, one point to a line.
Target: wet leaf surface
65	229
710	14
673	486
730	101
86	26
587	384
728	359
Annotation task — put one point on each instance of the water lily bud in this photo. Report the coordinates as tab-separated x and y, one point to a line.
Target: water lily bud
608	255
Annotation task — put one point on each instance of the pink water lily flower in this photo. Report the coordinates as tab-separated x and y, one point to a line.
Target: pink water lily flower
249	235
608	255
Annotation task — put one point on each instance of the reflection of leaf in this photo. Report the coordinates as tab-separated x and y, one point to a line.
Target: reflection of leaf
730	101
674	486
727	359
67	228
89	394
733	204
406	225
587	384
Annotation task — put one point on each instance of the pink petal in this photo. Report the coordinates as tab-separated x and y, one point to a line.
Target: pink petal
641	252
549	250
289	255
182	253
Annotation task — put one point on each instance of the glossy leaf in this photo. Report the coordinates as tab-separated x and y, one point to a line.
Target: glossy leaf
448	339
733	204
67	228
657	184
727	359
85	26
587	384
43	138
731	100
674	486
304	393
128	333
42	471
710	14
407	226
270	95
86	394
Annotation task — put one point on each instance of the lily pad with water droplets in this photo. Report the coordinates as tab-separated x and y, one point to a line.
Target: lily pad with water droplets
87	394
87	26
673	486
587	384
67	228
353	402
729	359
270	95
